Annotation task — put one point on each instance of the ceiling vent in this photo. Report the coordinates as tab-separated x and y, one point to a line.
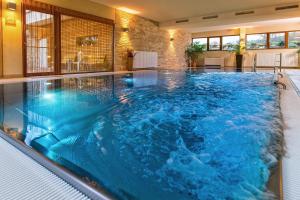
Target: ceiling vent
182	21
210	17
249	12
287	7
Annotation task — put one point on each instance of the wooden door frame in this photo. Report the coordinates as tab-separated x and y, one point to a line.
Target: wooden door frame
24	38
57	12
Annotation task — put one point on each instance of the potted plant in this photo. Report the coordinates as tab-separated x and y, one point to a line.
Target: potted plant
130	56
237	50
193	54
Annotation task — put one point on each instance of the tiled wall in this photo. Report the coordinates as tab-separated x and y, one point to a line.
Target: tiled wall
146	35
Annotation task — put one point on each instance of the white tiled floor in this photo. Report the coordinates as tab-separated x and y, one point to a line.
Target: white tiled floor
24	178
294	75
290	105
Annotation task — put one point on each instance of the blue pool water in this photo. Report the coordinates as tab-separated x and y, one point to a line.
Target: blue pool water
154	135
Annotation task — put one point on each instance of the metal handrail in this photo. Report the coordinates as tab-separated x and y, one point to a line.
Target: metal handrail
277	81
278	61
255	63
280	83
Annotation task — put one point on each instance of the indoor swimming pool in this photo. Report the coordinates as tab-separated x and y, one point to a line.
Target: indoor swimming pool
154	134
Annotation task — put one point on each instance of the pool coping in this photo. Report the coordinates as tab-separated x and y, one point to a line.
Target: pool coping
56	77
61	172
290	174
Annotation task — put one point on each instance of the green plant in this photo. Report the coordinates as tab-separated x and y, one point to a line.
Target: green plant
236	48
193	53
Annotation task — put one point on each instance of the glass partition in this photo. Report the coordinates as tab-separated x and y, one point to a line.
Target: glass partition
86	46
39	42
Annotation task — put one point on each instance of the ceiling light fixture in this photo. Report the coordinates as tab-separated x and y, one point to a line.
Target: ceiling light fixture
128	10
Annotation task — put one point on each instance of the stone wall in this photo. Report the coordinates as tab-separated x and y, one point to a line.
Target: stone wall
146	35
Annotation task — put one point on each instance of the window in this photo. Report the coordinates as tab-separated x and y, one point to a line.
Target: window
277	40
256	41
39	42
85	45
85	42
201	41
229	42
214	43
294	39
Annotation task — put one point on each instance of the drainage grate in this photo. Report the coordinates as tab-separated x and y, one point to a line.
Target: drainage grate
23	178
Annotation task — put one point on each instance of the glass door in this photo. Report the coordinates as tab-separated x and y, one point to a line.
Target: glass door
86	45
39	43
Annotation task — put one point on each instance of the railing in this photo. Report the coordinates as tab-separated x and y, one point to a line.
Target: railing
254	63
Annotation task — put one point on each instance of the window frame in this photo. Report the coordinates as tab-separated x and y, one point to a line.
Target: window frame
267	41
229	36
57	12
221	42
201	38
246	38
285	40
288	41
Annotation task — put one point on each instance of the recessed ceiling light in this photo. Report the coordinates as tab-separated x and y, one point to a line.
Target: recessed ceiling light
128	10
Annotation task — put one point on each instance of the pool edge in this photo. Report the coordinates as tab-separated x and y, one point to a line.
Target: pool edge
59	171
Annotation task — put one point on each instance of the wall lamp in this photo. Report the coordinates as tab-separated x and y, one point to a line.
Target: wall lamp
10	16
11	6
125	30
172	39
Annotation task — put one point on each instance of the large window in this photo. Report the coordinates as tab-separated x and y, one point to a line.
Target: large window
229	42
201	41
39	42
277	40
59	41
253	41
256	41
294	39
86	46
214	43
